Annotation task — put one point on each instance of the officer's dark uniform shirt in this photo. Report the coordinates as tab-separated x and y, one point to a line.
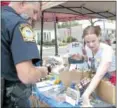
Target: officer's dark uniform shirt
17	43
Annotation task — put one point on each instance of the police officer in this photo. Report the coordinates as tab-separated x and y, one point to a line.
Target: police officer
19	53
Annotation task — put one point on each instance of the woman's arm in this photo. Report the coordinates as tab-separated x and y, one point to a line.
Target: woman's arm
101	71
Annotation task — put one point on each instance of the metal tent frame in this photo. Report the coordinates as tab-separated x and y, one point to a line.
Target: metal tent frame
91	9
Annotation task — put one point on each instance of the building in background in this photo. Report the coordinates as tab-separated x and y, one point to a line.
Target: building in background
107	26
48	35
75	32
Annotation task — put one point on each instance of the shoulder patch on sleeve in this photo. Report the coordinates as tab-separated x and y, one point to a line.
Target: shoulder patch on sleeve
27	33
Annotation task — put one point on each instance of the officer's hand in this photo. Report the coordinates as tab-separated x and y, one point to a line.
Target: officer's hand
44	71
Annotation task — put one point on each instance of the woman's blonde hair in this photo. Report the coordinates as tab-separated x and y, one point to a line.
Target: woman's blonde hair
92	30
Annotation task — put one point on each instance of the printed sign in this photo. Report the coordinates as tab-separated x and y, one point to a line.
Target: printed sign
75	48
72	96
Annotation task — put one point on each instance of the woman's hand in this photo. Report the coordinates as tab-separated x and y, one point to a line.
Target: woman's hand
77	56
85	101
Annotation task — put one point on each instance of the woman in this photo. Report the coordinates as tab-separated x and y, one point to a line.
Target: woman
104	59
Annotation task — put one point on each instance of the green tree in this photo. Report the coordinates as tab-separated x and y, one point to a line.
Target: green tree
68	24
69	39
74	39
93	22
63	41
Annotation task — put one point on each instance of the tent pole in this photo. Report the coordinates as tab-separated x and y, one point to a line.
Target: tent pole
41	44
56	41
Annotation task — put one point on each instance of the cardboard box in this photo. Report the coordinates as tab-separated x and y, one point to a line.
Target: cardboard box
105	90
68	77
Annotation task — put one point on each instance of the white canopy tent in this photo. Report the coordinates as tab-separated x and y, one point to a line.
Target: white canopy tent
97	9
91	9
